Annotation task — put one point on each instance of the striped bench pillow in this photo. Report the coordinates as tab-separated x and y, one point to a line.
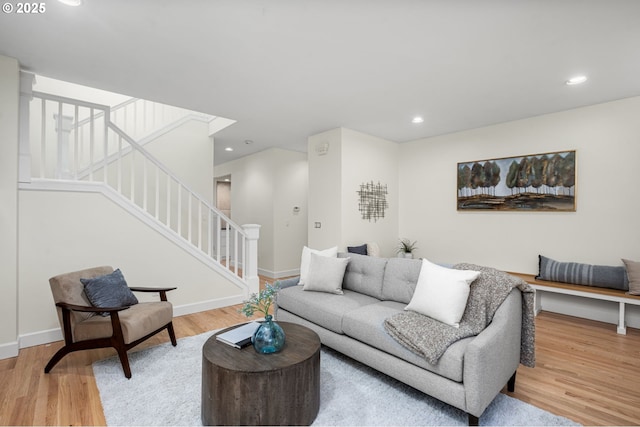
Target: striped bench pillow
602	276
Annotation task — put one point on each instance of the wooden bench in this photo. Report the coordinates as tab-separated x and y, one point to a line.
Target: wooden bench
605	294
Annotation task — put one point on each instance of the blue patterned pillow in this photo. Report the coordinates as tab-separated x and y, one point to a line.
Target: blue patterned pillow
602	276
110	290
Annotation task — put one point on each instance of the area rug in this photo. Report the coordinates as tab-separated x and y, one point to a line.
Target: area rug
165	391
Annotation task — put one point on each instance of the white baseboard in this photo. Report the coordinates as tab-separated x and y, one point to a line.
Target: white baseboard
9	350
278	274
197	307
41	337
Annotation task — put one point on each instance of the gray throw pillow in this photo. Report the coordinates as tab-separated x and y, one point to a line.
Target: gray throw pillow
110	290
326	274
360	250
602	276
633	274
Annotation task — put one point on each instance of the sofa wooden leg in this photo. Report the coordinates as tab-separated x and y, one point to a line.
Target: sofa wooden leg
473	420
511	384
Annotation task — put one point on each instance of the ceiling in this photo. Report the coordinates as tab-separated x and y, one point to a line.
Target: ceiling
286	70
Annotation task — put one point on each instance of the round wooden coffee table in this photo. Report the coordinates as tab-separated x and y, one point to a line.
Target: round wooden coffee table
242	387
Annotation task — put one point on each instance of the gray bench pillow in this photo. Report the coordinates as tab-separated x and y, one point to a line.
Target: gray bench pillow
602	276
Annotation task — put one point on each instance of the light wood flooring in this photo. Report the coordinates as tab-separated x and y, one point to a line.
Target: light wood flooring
585	371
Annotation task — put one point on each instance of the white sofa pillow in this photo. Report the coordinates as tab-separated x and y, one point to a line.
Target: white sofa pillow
441	293
326	274
306	260
373	249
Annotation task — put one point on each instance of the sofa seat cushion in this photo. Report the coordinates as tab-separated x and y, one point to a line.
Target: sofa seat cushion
366	324
137	321
321	308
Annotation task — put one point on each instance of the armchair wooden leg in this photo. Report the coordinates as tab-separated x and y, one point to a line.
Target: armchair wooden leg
76	346
172	334
56	358
124	360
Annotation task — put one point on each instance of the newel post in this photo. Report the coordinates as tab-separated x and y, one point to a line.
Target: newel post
64	126
251	262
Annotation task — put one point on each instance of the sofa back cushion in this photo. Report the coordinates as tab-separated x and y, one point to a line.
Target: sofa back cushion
400	278
364	274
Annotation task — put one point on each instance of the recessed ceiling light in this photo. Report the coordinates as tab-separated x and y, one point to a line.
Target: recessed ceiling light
417	119
248	141
576	80
71	2
228	149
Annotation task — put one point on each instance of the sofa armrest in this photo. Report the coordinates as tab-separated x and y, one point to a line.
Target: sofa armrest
287	283
493	356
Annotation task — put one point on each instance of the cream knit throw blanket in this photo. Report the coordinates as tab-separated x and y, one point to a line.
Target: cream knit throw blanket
486	294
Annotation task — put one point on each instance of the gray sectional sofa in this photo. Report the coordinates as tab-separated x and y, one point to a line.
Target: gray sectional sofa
468	375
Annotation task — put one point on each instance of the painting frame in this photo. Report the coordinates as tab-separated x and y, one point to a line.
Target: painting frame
544	182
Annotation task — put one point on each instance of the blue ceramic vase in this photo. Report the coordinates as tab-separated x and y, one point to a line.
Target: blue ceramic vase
269	337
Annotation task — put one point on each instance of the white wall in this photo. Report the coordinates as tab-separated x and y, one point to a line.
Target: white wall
188	152
601	231
368	159
64	231
9	98
353	159
325	190
291	183
264	189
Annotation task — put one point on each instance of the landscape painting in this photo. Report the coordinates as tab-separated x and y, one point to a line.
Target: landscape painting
538	182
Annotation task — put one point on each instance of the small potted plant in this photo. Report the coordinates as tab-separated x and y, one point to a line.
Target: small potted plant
405	248
269	337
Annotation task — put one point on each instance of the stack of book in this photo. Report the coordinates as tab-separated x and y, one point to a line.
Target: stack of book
240	336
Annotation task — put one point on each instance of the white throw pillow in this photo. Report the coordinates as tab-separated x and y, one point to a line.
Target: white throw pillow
306	260
373	249
326	274
441	293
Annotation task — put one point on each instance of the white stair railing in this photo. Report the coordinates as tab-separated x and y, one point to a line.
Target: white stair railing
72	140
140	118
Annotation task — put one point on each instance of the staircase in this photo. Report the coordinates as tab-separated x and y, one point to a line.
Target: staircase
72	145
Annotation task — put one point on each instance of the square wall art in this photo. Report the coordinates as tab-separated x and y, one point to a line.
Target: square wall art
372	200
